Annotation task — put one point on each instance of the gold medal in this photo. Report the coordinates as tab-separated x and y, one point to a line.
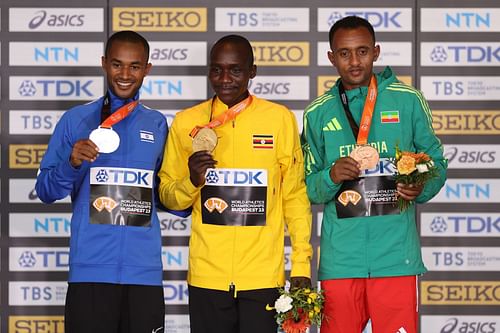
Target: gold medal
205	139
366	156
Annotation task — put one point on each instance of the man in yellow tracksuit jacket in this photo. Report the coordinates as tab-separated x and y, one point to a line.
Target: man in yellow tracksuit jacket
242	194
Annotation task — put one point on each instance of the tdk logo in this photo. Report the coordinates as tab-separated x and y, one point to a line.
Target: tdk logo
56	87
43	259
384	168
438	225
27	88
383	19
175	292
460	53
121	176
102	176
236	177
27	259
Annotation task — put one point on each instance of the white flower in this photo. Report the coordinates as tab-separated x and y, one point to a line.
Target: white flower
422	168
283	304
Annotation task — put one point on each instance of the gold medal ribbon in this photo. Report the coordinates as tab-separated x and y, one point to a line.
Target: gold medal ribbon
229	115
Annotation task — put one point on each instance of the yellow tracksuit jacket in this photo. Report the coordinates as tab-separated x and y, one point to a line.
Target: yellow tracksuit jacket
246	257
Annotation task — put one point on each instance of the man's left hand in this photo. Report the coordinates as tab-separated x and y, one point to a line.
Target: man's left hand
297	282
409	192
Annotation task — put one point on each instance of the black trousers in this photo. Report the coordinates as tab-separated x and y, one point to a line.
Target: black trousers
215	311
114	308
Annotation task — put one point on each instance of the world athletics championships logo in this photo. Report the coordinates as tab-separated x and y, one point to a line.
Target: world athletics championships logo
439	54
27	89
27	259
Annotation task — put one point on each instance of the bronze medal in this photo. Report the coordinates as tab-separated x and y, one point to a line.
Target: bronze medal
366	156
205	139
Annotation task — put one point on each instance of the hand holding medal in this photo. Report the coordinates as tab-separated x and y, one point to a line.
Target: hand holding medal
105	138
205	139
364	154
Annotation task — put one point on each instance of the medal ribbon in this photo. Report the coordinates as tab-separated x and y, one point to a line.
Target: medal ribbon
119	114
229	115
361	132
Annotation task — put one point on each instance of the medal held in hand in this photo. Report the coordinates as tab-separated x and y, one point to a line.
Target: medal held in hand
104	137
366	156
205	139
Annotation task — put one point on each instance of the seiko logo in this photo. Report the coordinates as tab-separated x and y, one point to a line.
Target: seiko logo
26	156
461	292
55	20
466	122
37	324
281	53
160	19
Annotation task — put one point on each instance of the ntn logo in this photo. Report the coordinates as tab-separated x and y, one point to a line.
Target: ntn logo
467	19
467	190
57	54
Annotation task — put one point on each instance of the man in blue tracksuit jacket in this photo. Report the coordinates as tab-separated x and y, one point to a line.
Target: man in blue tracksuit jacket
115	274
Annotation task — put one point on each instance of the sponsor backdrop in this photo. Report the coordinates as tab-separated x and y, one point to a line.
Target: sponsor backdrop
50	61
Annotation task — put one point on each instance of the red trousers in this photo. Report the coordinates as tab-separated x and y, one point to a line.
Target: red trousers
390	303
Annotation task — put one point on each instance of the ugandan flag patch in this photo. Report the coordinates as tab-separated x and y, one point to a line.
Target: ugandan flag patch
261	141
389	117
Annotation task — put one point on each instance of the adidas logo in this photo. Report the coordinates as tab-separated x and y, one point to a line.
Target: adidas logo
333	125
401	330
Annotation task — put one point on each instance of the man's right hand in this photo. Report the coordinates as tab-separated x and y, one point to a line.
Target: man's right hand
345	168
83	150
198	164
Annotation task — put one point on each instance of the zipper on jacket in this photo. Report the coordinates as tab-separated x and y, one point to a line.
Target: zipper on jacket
232	289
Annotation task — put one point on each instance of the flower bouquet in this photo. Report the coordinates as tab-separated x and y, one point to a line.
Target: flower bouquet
412	168
297	309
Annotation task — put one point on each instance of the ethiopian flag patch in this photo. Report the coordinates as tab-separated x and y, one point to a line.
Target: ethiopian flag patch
389	117
263	141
